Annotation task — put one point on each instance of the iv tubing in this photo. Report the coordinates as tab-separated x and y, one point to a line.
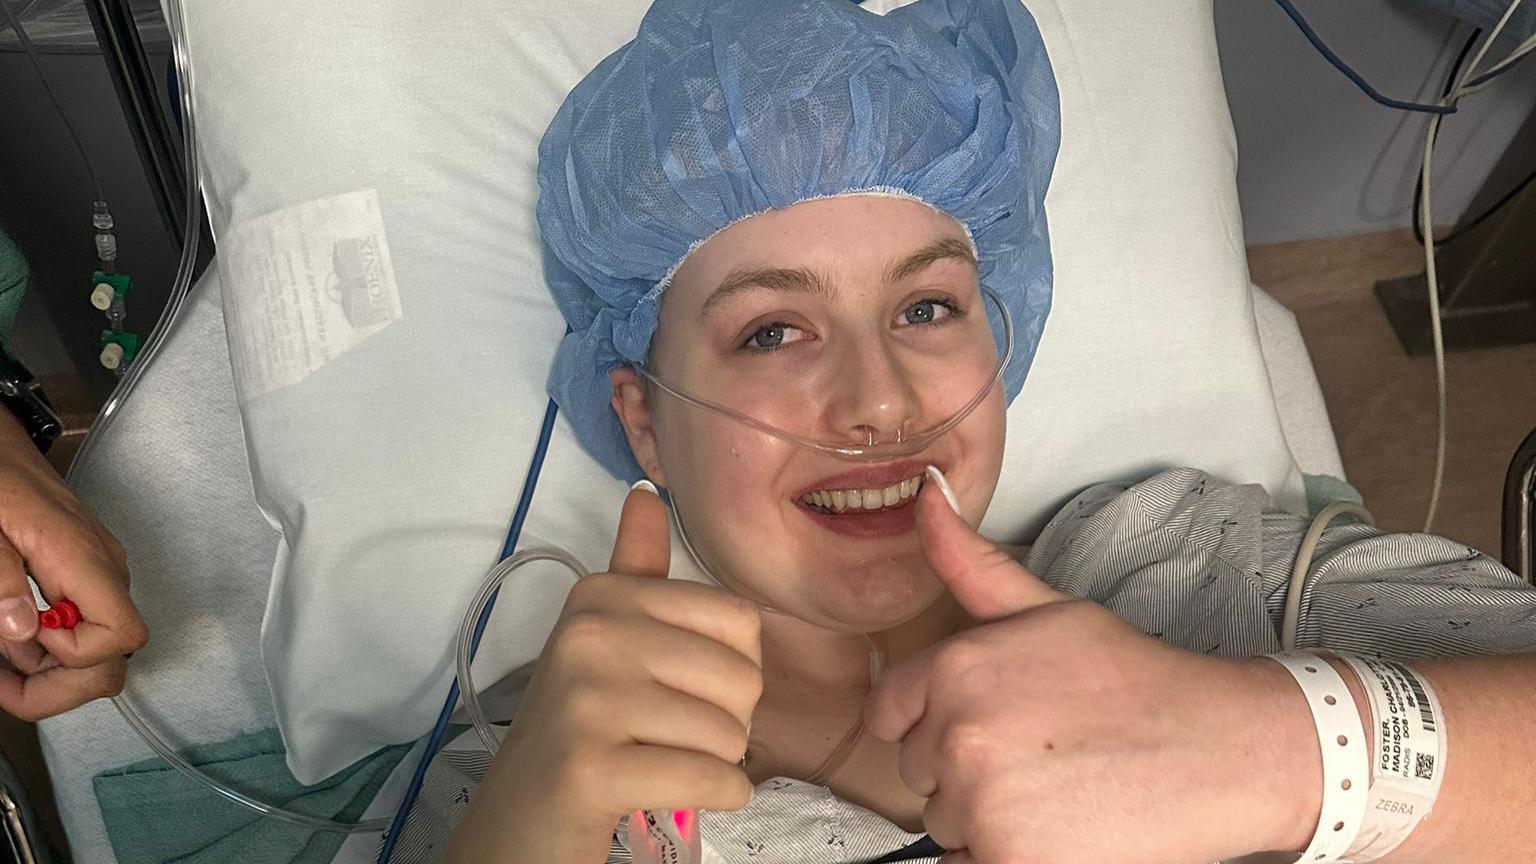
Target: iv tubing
468	630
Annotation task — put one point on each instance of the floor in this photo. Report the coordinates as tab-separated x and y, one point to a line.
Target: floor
1382	402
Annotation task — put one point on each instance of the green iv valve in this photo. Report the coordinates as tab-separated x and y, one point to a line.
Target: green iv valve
109	294
118	349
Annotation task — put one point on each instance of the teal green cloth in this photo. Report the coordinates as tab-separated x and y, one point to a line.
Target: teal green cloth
1324	489
155	815
13	285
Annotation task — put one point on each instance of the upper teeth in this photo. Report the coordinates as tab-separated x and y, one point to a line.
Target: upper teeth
839	500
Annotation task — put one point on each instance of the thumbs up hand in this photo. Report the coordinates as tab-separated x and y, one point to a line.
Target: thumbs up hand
640	701
1055	732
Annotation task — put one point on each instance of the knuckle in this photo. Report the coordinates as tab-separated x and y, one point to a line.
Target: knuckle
963	745
733	791
940	826
116	552
752	683
585	592
734	739
135	634
581	634
957	660
582	777
588	707
750	615
111	680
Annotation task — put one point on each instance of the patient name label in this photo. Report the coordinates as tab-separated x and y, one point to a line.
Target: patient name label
302	286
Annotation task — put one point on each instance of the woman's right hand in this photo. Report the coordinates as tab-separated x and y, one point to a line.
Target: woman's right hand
641	700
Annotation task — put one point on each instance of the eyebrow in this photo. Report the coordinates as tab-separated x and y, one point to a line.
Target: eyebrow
794	280
803	281
922	259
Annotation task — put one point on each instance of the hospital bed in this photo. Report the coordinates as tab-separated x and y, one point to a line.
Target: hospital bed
178	478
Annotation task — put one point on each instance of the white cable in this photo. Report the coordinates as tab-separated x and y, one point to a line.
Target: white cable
1291	623
1431	273
1434	323
1521	50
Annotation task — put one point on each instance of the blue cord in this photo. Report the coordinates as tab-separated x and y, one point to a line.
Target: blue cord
1351	74
440	729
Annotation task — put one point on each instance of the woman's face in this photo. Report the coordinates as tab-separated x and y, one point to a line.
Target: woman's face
834	319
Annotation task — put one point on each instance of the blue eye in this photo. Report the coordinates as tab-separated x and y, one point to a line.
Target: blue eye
771	336
928	311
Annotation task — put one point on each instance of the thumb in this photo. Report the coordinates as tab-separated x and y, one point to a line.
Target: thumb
988	584
644	545
18	609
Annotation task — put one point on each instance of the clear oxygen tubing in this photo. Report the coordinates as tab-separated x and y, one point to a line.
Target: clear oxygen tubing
871	450
176	22
1304	555
464	654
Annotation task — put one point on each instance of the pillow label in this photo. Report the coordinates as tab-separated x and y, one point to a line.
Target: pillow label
302	286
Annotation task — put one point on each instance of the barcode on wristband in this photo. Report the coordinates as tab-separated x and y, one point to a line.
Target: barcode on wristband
1424	766
1426	715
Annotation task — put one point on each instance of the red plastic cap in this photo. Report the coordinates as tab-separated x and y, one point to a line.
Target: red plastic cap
63	615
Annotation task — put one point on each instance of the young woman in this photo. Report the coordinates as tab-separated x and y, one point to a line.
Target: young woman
790	238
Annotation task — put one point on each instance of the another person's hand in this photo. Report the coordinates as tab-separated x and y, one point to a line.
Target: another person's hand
45	531
641	700
1054	731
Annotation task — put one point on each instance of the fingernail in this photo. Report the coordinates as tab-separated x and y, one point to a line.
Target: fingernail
949	494
18	617
647	485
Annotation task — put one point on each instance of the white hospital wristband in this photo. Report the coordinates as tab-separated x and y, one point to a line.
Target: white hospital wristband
1346	762
1408	728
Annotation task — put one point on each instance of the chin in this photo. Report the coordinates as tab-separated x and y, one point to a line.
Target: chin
869	596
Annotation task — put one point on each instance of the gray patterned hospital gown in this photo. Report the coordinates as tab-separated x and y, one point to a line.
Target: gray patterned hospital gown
1194	562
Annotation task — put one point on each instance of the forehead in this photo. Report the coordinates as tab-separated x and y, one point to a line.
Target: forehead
850	236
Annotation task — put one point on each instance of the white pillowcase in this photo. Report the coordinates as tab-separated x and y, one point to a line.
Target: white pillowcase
370	174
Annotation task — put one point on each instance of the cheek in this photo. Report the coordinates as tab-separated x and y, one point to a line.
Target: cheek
724	481
709	457
982	438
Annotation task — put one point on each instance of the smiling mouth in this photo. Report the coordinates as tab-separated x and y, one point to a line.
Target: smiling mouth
836	502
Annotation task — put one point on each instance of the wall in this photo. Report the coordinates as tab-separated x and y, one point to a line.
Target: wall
1316	156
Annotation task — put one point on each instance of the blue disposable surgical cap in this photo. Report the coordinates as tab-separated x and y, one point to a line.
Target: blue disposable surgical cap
721	109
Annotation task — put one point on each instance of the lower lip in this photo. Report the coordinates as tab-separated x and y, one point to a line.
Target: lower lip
868	524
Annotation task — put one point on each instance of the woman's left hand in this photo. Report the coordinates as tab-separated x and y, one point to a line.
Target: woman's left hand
1055	732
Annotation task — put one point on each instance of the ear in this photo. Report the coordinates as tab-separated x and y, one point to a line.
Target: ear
634	410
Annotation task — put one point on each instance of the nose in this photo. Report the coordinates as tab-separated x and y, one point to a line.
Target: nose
874	399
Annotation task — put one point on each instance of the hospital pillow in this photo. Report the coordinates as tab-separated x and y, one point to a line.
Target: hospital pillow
370	177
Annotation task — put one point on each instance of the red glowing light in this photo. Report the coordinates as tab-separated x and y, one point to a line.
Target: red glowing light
684	820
